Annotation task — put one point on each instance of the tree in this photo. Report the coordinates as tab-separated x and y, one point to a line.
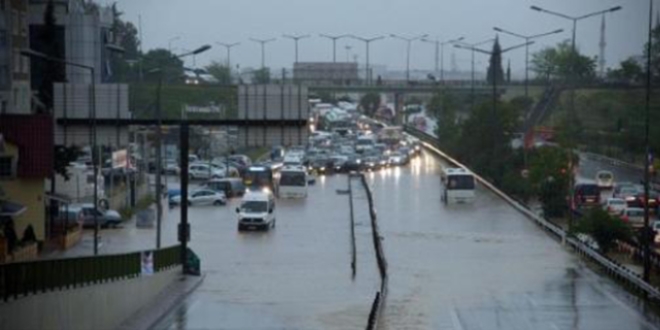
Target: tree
171	66
561	62
50	72
126	36
261	76
369	103
629	71
483	143
495	64
604	229
64	156
219	71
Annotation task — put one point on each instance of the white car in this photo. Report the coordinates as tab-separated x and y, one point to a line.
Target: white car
614	205
204	171
257	211
605	179
203	197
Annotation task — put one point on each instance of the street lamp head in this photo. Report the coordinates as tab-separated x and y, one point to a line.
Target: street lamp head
536	8
558	31
615	8
154	70
201	49
497	29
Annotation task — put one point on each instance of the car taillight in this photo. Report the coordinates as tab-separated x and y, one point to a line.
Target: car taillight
624	218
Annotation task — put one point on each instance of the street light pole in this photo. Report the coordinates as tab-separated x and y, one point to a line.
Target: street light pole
295	39
647	160
367	42
334	39
159	142
408	41
528	38
494	75
229	47
263	43
471	47
572	80
92	113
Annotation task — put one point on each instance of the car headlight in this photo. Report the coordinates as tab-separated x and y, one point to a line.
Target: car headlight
358	161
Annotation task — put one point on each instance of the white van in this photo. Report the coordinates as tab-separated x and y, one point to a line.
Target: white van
293	182
257	211
459	185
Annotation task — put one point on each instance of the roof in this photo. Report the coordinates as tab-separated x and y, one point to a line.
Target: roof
256	196
33	135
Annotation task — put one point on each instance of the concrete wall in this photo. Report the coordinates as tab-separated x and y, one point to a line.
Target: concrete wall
97	307
287	136
28	192
259	102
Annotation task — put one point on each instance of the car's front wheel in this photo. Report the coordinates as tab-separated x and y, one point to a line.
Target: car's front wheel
218	203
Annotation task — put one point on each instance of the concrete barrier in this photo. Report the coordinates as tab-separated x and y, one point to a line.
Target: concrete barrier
98	307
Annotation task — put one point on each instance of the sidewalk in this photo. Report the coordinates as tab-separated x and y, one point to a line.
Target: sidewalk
126	238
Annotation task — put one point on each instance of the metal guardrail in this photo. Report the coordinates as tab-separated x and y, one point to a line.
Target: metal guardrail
381	295
612	161
32	277
613	268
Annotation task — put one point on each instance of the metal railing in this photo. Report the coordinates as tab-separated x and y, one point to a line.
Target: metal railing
612	267
33	277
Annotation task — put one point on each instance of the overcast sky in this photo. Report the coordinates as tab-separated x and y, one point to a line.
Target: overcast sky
199	22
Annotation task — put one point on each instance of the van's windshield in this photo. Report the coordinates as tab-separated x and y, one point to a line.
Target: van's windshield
254	206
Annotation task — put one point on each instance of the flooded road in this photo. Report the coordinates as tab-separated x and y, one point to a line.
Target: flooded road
481	266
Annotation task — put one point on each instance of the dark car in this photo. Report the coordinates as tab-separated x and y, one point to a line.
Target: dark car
232	187
586	195
638	200
353	163
321	165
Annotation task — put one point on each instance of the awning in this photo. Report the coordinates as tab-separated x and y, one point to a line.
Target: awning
10	209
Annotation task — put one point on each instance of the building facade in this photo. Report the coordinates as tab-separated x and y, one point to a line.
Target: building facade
15	92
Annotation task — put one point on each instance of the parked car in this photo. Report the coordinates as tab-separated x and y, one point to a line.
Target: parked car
203	197
231	187
171	194
633	216
171	167
614	205
105	218
605	179
204	171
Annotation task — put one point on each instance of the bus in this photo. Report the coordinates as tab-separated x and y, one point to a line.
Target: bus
260	176
293	182
459	185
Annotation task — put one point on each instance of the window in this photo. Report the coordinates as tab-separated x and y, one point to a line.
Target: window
7	167
17	61
3	38
23	23
15	21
